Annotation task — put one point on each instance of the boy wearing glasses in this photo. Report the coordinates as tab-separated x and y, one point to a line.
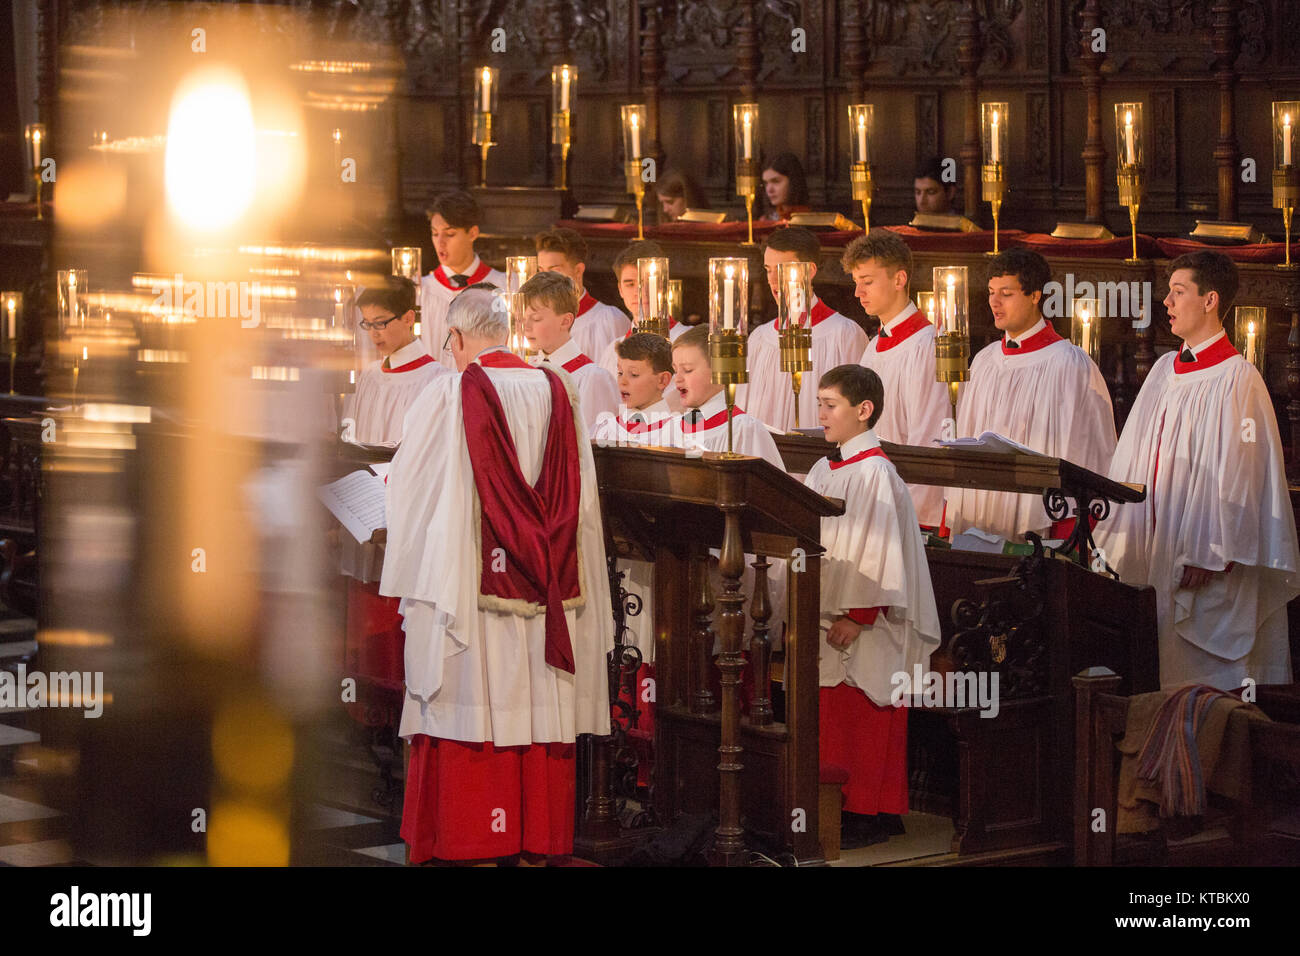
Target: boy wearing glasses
386	388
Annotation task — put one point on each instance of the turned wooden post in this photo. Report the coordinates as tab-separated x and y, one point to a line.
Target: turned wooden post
599	823
760	646
1094	149
968	61
699	693
729	844
1225	58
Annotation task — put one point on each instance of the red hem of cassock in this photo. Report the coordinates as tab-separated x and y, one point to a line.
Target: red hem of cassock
375	639
473	801
870	743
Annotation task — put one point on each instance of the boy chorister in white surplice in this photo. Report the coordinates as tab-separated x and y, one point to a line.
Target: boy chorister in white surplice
902	354
373	414
453	223
1033	387
768	396
596	325
550	306
878	614
1216	535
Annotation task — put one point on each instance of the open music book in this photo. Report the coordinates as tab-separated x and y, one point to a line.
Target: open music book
357	501
990	442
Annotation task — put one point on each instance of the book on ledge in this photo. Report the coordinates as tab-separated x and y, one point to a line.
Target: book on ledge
992	443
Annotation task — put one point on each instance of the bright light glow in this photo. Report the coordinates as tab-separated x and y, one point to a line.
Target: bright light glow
210	170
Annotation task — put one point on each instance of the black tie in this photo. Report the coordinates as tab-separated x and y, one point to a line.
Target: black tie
883	333
460	281
1187	355
835	455
1012	344
695	417
637	420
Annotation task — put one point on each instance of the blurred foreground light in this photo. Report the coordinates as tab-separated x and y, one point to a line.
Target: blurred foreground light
252	746
102	412
89	194
245	834
210	171
72	638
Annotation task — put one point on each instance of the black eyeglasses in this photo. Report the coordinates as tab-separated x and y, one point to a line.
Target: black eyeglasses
446	345
381	324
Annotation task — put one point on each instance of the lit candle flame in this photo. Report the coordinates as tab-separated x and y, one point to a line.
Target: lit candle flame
1250	327
338	136
1128	118
731	271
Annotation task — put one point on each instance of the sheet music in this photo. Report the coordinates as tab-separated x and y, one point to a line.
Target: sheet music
990	442
357	501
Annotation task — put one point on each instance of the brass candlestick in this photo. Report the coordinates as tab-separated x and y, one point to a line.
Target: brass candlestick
860	177
1286	196
994	187
747	180
952	331
796	358
1132	184
483	139
636	186
562	135
729	330
727	360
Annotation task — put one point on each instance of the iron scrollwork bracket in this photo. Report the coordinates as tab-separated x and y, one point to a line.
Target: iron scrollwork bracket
1079	545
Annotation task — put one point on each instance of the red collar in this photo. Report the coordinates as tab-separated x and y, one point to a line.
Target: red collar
908	327
1039	340
410	366
819	314
502	360
1211	356
713	421
573	364
869	453
479	275
586	303
637	428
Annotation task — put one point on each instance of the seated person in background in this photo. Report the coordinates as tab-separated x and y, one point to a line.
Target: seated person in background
453	225
785	187
550	304
933	195
835	341
1033	387
878	613
597	324
677	193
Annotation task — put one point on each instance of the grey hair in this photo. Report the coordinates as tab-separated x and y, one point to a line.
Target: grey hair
480	312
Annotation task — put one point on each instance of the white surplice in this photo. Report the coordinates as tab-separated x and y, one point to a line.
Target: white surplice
596	325
473	674
768	396
916	406
1052	399
597	389
376	410
436	293
875	557
1205	442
